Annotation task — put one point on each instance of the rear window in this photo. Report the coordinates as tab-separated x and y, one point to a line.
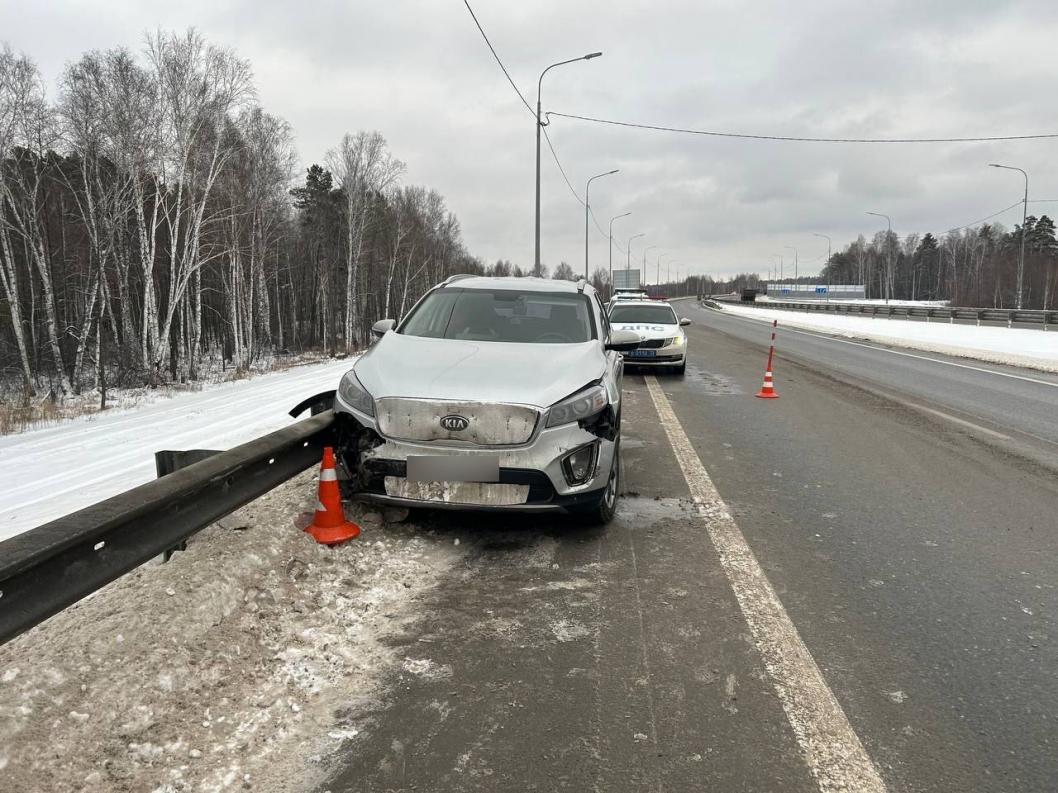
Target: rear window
661	314
505	315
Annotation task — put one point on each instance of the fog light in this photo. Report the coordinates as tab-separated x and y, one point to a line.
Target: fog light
579	465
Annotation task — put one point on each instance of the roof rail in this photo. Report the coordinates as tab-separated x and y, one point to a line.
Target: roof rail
457	277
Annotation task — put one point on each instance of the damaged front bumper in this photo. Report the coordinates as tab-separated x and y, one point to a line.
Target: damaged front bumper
531	477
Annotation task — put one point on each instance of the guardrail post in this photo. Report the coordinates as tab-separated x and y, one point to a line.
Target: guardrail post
1010	319
169	461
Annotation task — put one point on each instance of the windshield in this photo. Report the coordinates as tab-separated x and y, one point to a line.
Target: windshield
506	315
659	315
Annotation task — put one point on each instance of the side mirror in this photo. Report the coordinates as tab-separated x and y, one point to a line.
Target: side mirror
623	340
379	329
684	322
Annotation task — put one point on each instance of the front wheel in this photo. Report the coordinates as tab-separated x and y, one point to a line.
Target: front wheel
681	370
601	511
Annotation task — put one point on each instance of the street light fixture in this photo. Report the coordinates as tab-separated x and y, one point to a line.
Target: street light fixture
1024	217
539	129
615	217
888	253
587	210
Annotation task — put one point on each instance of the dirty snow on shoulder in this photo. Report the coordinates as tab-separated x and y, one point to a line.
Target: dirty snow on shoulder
49	472
1029	347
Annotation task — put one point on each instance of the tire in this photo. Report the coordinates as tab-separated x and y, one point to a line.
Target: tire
602	511
681	370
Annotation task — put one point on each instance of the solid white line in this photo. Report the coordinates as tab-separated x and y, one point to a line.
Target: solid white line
828	337
832	750
956	420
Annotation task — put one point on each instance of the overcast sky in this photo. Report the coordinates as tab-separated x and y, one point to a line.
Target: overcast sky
420	73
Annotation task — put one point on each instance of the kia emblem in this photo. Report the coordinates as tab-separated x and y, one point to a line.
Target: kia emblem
455	423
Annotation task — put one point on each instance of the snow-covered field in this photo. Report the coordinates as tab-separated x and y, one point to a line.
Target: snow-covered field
47	473
242	664
1037	349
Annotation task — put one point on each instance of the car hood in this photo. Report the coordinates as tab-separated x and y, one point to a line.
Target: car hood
650	330
531	374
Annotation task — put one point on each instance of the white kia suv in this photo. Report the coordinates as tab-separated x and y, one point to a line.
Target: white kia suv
491	393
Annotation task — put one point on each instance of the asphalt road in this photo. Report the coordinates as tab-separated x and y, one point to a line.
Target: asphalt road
905	512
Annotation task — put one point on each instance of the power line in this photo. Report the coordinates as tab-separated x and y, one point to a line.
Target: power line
572	190
528	107
497	57
794	138
982	220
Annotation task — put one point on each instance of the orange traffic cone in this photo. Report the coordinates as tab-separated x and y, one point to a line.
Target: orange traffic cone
329	526
767	391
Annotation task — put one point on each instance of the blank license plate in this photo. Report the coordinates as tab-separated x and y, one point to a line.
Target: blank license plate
453	468
643	353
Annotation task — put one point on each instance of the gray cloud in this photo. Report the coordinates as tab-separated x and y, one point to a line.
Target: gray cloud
419	72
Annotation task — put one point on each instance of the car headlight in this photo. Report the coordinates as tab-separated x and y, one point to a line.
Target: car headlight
355	395
678	341
579	406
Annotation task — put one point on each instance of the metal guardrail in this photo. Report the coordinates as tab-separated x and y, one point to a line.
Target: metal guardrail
46	569
1010	317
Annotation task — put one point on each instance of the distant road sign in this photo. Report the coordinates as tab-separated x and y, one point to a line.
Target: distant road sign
626	279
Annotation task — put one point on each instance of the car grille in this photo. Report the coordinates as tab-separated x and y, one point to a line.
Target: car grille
654	344
488	424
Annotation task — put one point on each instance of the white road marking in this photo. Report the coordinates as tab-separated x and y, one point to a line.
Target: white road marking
831	748
828	337
956	420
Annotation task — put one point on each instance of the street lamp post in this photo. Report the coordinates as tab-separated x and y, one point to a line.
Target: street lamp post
888	254
615	217
587	210
627	263
1024	217
539	129
660	257
648	248
792	248
827	267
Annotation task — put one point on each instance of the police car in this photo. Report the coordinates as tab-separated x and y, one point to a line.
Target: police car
664	342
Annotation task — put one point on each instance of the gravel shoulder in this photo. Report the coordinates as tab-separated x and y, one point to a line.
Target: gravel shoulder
244	663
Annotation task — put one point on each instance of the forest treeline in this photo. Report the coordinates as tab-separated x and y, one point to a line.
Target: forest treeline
153	224
969	267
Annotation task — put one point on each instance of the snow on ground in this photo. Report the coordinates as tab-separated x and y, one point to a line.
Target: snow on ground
1034	348
853	301
47	473
243	663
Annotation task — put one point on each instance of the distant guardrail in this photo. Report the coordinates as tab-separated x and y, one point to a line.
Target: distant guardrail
1009	317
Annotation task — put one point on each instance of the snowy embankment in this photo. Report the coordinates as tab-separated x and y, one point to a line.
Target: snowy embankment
244	663
47	473
1032	348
